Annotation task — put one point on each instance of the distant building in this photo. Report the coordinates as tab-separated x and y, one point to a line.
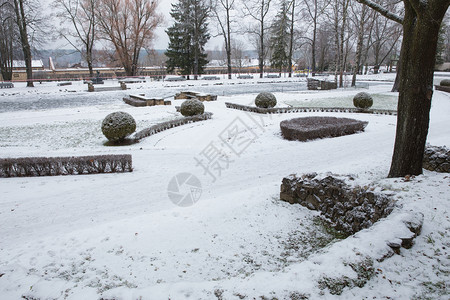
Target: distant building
36	64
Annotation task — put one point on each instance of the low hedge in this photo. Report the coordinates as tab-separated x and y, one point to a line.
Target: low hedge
310	128
53	166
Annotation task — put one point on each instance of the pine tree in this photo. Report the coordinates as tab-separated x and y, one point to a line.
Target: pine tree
187	37
279	42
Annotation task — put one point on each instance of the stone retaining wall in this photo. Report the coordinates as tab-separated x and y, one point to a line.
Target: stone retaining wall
349	209
437	159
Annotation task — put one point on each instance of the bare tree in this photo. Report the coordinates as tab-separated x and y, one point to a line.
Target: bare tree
258	10
421	23
23	22
339	20
221	10
82	34
385	31
292	4
129	25
360	17
237	53
313	11
8	42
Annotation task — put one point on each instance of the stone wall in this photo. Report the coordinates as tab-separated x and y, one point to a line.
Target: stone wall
437	159
350	209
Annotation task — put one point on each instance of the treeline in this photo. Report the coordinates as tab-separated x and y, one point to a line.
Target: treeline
338	36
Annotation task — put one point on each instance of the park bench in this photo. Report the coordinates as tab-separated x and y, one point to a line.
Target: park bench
315	84
91	88
140	100
244	76
195	95
175	78
210	78
6	85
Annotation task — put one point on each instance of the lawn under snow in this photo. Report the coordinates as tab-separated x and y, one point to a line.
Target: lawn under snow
118	236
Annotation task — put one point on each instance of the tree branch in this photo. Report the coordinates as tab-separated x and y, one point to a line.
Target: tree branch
383	11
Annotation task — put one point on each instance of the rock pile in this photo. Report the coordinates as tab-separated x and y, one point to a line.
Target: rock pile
349	209
437	159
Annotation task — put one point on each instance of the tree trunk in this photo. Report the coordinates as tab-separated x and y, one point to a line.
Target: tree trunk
341	46
261	43
26	48
313	44
89	62
396	85
228	42
291	36
359	47
420	37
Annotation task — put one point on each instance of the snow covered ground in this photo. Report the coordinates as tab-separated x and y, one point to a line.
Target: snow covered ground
119	236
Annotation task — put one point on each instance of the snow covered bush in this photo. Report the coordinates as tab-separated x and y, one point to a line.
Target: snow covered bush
310	128
445	82
265	100
192	107
362	100
118	125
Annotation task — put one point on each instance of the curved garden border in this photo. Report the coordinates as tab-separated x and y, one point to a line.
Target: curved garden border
170	124
280	110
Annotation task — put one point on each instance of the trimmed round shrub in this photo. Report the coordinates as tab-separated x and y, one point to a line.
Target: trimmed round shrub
445	82
362	100
265	100
118	125
192	107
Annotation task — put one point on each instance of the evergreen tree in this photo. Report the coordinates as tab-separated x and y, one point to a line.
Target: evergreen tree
280	38
187	37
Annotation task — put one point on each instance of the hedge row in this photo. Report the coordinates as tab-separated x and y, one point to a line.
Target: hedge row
170	124
280	110
53	166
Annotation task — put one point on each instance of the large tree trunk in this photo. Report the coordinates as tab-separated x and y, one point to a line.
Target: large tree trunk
420	36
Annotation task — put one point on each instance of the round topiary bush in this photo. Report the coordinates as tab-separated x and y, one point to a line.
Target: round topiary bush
362	100
265	100
192	107
118	125
445	82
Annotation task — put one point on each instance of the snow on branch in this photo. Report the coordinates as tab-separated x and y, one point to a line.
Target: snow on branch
383	11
